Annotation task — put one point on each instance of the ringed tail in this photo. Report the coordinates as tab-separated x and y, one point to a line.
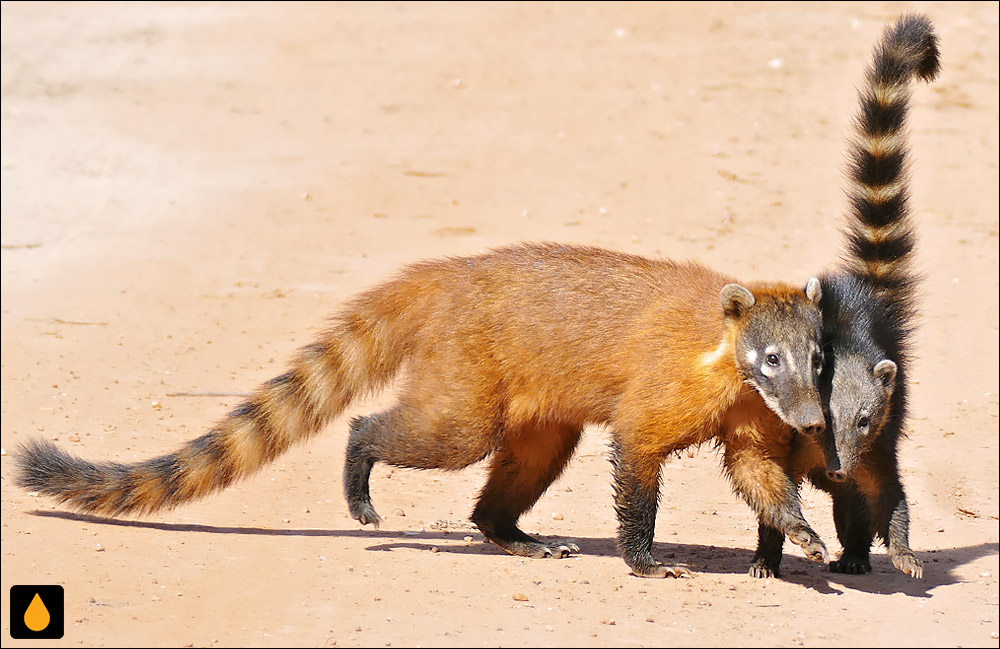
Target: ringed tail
359	353
880	234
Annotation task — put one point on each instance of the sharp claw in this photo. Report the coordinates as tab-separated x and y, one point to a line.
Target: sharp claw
568	549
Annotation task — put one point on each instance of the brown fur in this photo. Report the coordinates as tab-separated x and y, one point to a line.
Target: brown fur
508	354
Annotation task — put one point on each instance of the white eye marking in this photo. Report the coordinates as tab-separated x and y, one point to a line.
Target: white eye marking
784	357
772	361
752	356
790	361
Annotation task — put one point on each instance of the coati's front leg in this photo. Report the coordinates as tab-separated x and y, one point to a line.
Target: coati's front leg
850	514
528	461
854	529
898	539
859	518
802	452
857	524
767	560
637	492
774	497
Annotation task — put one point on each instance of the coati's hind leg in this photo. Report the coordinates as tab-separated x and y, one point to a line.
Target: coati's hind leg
527	462
357	469
407	437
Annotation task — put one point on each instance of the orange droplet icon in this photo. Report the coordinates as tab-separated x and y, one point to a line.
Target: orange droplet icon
37	616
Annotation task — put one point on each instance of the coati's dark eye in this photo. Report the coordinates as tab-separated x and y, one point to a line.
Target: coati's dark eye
863	422
772	360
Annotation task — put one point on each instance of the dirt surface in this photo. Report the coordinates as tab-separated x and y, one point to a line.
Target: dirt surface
188	190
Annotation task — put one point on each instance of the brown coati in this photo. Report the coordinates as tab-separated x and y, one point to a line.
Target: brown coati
868	309
509	354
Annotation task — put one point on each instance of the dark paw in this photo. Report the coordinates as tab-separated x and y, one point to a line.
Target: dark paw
851	565
764	569
365	514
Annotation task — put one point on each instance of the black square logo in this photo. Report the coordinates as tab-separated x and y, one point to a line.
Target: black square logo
36	612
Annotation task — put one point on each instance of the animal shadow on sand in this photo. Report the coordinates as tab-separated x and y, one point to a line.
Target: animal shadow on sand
939	565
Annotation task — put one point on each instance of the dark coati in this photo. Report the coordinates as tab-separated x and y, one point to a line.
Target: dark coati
509	354
868	309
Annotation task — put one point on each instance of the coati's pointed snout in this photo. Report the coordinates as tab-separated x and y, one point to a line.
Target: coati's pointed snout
814	430
836	476
810	420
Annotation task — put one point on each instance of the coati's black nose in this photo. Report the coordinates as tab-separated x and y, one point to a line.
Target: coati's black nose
811	421
836	476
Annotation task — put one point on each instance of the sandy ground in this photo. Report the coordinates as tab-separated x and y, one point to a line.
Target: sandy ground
189	189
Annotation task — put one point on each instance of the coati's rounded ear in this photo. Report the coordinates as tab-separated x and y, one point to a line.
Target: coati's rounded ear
885	371
736	299
813	290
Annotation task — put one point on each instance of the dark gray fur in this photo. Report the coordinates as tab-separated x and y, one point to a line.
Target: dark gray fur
869	309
